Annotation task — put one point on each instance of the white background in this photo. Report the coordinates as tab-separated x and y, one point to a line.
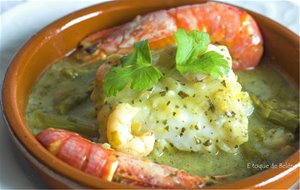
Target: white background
20	19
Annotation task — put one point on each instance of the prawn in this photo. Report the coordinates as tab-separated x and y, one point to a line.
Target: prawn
226	25
119	132
111	165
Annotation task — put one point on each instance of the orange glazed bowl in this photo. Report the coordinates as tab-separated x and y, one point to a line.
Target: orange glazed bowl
61	37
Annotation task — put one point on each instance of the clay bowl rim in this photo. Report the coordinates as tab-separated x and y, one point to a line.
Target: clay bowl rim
20	132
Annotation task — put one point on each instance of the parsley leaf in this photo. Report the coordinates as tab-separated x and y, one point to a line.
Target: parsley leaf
211	63
136	69
192	55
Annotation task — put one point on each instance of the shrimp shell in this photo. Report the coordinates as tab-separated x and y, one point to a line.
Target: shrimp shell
226	25
111	165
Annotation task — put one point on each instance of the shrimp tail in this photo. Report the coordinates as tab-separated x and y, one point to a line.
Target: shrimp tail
226	25
111	165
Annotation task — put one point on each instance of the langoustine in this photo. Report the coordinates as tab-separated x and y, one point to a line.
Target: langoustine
226	25
111	165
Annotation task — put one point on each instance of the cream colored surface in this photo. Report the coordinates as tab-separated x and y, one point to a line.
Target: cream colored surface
17	26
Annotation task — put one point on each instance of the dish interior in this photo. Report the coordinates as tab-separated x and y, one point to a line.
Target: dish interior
61	98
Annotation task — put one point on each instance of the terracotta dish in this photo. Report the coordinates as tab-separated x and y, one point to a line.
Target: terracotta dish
61	37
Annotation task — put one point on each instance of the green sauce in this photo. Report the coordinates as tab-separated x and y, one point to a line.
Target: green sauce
54	95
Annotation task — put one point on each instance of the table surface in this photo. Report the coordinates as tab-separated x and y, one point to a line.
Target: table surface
15	172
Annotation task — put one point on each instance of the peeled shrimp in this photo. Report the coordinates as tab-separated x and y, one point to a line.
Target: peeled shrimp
111	165
119	132
226	25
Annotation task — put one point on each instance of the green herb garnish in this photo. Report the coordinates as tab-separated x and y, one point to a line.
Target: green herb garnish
192	55
137	69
